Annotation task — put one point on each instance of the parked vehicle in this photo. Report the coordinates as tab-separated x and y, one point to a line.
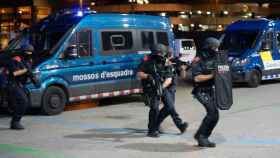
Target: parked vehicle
253	48
186	49
90	56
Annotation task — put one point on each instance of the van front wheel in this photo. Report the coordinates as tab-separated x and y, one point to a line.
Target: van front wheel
54	100
254	79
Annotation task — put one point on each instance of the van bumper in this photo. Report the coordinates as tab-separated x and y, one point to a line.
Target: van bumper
240	76
35	96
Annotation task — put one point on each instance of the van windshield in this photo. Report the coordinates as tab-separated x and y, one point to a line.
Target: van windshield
42	42
46	35
39	40
45	43
237	42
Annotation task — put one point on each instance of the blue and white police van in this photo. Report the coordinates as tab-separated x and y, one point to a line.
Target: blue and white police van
253	48
90	56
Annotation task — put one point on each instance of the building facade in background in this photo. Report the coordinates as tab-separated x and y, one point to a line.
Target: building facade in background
192	15
20	14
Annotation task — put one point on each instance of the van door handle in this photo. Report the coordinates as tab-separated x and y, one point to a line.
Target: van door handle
91	63
104	62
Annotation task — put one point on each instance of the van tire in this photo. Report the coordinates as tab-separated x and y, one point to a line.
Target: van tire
53	101
254	79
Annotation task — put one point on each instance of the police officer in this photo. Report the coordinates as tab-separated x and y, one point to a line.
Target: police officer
158	61
204	91
17	77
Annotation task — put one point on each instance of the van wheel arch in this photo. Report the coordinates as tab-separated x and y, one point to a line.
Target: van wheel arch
54	99
255	77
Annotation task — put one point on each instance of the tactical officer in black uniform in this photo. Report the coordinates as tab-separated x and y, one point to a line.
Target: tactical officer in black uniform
204	90
158	64
18	73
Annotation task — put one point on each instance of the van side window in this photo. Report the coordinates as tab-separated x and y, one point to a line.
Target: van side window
112	41
82	40
268	40
147	39
278	39
162	38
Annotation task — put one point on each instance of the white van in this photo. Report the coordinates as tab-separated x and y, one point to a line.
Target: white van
185	49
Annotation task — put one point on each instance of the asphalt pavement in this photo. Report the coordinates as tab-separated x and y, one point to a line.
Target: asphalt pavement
117	128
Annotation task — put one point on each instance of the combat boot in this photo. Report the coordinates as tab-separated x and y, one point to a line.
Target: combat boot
16	126
183	127
160	130
204	142
153	134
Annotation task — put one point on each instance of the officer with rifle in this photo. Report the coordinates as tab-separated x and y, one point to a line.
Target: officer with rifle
18	71
157	76
212	88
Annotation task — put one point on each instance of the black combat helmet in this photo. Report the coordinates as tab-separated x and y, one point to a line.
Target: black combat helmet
211	43
210	46
159	52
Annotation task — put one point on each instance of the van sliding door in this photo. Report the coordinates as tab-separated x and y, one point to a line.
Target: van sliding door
269	56
114	61
276	53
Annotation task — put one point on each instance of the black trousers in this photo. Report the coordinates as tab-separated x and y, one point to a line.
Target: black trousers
156	117
168	100
18	99
205	95
153	114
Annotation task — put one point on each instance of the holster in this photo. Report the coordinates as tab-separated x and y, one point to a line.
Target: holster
203	94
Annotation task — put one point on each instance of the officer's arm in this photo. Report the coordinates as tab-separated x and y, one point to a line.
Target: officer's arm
167	82
142	75
141	71
20	72
203	78
198	73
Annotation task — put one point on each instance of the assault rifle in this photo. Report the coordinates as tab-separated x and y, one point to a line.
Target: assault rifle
152	86
177	63
157	82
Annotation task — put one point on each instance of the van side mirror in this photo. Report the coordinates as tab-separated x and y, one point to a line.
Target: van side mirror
71	52
265	46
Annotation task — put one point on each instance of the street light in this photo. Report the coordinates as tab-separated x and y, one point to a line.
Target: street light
139	1
163	14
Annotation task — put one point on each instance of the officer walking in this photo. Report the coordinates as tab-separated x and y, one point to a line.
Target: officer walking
17	76
204	91
157	64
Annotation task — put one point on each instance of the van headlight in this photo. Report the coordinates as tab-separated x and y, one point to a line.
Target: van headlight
240	62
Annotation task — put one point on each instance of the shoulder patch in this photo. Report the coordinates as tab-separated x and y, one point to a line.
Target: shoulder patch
17	58
146	58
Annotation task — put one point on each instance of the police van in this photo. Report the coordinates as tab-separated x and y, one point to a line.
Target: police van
253	48
90	56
